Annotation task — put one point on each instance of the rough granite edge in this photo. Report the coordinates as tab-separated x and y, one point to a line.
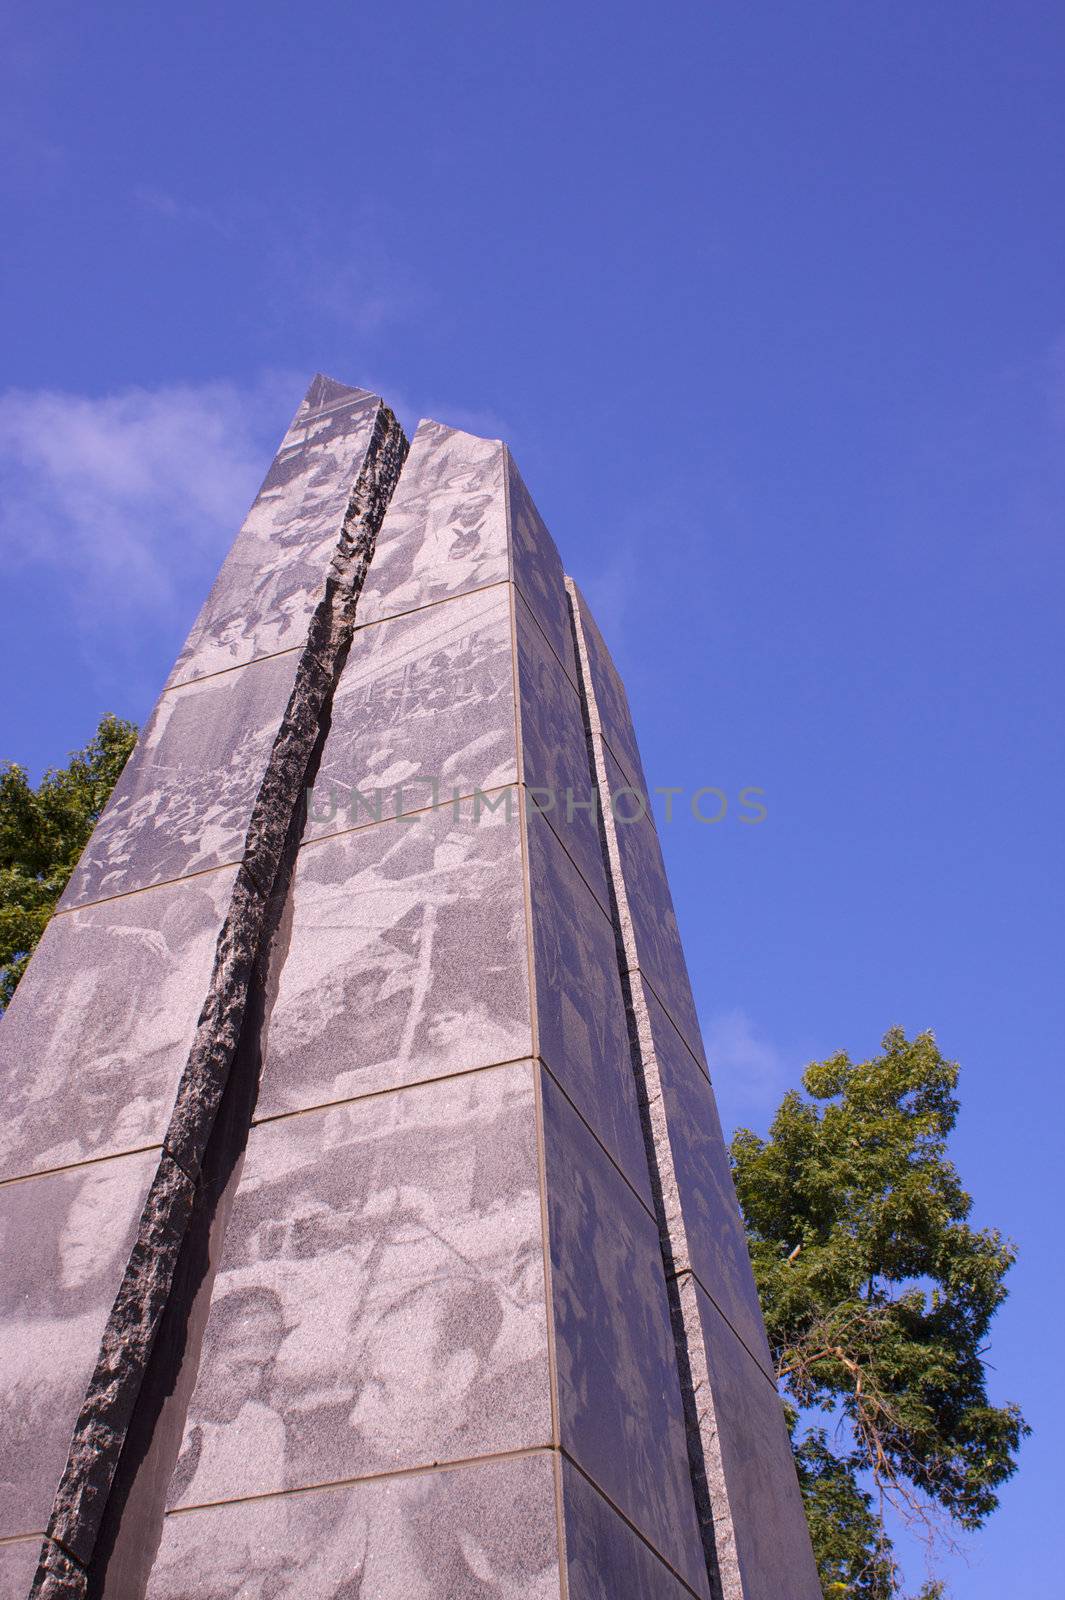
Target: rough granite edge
707	1479
128	1337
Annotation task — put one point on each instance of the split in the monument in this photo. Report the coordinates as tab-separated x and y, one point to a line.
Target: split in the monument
370	1227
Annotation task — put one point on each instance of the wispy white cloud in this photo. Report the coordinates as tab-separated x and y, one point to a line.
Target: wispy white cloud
340	273
127	502
161	203
749	1071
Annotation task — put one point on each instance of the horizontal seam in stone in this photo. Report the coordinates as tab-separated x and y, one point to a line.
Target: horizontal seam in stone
428	605
448	804
618	1168
632	783
574	685
329	411
523	1453
460	594
146	888
547	815
508	457
86	1161
223	672
690	1272
112	1393
416	811
627	1520
642	973
392	1088
446	1077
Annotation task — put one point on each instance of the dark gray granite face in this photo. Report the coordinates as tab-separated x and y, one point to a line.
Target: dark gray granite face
425	695
18	1563
537	570
272	577
619	1399
380	1299
64	1241
771	1536
555	751
605	1559
702	1198
610	714
650	908
96	1037
480	1532
580	1011
185	799
445	531
406	959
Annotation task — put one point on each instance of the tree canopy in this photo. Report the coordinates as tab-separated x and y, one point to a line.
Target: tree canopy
878	1296
43	832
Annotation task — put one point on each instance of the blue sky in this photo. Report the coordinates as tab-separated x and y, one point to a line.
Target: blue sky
768	300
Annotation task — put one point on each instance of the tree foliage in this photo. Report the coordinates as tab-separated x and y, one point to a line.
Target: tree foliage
878	1296
43	832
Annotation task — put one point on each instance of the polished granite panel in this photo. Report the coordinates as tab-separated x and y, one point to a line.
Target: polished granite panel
619	1401
64	1242
537	571
380	1299
580	1010
404	958
772	1546
18	1563
97	1035
555	751
445	530
425	696
610	715
605	1559
185	798
275	573
480	1532
711	1232
650	905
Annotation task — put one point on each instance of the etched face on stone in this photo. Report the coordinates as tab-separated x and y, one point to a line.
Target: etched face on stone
424	1351
95	1228
248	1329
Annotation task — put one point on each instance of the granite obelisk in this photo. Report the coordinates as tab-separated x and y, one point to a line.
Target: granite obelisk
368	1226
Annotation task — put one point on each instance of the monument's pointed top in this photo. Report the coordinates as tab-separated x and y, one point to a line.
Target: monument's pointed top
324	391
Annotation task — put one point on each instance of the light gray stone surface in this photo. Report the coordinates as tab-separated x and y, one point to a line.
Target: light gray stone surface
619	1402
18	1563
426	695
706	1231
446	528
771	1540
96	1037
405	959
605	1558
185	798
480	1532
653	920
580	1012
380	1302
64	1241
271	579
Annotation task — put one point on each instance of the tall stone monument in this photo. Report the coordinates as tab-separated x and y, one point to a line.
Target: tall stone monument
367	1229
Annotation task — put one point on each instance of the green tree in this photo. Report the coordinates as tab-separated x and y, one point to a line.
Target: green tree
43	832
878	1296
